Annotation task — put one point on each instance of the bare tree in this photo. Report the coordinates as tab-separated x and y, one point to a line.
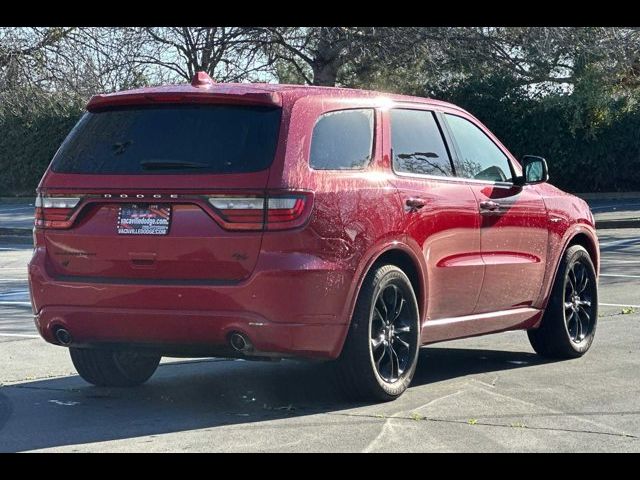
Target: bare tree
99	59
225	53
532	55
319	55
23	51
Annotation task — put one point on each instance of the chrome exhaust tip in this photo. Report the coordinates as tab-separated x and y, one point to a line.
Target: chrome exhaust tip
63	336
240	343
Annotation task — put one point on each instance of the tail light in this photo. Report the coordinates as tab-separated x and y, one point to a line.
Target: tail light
283	211
271	212
55	212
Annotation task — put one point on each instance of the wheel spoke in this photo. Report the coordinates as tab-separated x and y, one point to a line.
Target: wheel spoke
577	276
402	342
393	302
578	328
384	353
584	280
395	365
572	281
377	321
568	289
384	310
571	319
390	368
568	305
585	321
584	303
399	309
403	329
376	342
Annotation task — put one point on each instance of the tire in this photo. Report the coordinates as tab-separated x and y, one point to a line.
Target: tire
110	368
569	322
370	366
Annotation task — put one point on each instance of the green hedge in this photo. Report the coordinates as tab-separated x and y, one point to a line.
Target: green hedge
591	139
29	139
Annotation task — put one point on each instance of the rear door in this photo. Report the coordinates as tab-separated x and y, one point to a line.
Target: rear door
441	216
169	193
513	219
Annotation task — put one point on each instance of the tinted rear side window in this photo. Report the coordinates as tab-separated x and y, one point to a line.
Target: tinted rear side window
171	139
342	140
417	144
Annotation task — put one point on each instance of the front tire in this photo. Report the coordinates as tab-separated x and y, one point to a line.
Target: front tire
380	353
569	322
112	368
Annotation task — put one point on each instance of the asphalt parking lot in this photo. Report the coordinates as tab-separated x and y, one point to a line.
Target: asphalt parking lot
483	394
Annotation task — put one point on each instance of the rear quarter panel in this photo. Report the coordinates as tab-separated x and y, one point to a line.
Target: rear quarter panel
357	214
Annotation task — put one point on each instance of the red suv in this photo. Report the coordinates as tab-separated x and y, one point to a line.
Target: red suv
292	221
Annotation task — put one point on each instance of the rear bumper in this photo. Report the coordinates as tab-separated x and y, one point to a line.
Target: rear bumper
290	311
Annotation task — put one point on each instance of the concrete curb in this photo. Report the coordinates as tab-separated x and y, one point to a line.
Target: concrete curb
18	236
21	239
14	240
15	232
12	200
607	195
621	223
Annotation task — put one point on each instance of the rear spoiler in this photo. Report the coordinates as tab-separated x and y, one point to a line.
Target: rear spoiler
101	102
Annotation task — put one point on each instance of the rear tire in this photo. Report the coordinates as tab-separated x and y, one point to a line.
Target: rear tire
380	353
112	368
569	322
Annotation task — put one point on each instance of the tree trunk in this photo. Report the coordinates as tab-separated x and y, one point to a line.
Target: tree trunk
325	74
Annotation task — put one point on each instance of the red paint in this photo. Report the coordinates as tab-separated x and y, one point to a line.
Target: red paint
291	286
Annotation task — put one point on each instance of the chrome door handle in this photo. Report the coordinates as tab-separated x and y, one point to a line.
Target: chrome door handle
415	203
489	206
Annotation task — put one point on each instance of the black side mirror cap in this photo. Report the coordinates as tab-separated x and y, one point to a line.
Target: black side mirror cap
534	170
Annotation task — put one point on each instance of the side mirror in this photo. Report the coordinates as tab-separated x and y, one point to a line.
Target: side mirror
534	171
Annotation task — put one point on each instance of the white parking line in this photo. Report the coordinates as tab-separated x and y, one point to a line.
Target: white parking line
611	260
10	293
618	305
618	275
620	242
16	209
24	304
18	335
617	207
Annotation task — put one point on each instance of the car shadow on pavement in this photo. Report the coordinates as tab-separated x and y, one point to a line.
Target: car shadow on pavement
189	395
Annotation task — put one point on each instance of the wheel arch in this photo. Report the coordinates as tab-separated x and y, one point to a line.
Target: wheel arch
588	241
584	240
401	255
408	264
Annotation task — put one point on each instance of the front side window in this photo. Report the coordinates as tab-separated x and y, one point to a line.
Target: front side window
342	140
480	158
417	144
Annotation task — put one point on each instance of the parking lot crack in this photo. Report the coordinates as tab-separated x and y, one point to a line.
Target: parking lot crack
479	423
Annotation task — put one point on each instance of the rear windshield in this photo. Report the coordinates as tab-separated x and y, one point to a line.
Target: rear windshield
171	139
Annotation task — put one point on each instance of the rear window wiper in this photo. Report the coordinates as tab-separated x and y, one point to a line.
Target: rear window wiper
170	164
